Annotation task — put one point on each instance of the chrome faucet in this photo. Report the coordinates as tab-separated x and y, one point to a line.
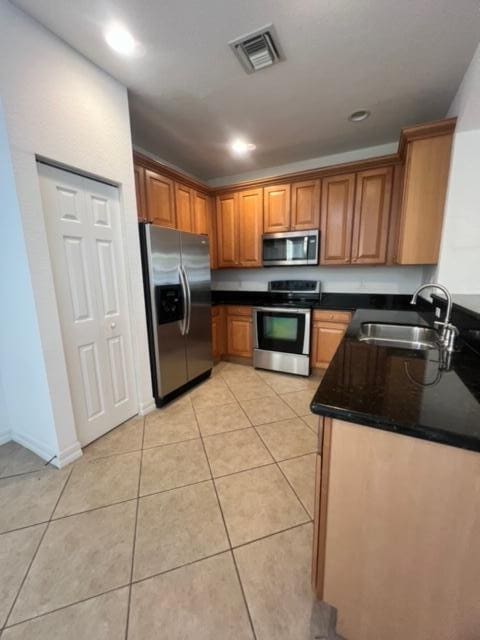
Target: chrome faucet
449	331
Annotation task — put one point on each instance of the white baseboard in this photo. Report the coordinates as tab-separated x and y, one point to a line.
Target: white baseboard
5	436
146	407
33	445
68	455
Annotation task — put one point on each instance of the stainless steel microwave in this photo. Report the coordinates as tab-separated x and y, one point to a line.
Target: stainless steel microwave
290	248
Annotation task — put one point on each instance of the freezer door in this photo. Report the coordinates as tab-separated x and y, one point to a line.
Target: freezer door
196	266
164	258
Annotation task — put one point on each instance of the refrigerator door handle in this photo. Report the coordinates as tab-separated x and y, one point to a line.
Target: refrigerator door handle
185	301
189	303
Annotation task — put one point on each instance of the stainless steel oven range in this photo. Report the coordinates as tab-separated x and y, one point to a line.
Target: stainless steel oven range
282	331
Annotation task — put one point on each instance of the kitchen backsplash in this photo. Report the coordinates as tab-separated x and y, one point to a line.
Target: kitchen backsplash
334	279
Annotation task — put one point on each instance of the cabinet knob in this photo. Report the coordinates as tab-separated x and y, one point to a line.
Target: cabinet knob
113	325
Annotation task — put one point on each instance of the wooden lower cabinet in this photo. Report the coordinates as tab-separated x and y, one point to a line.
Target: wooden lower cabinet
218	332
328	329
395	539
239	332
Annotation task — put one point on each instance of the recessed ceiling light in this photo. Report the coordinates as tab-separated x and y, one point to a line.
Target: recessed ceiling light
359	116
120	40
241	147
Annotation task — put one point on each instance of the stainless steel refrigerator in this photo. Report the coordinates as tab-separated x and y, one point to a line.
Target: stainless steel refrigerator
176	271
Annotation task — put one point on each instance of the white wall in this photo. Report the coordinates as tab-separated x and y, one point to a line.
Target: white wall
459	263
5	432
305	165
334	279
27	411
61	107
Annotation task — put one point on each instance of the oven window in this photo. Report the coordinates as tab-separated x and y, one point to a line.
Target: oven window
276	328
285	248
277	331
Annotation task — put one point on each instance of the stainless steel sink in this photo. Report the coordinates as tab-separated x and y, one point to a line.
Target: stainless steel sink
399	335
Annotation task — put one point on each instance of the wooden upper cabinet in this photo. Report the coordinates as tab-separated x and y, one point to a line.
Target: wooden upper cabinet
140	192
276	208
305	205
250	221
201	213
337	219
227	232
184	207
371	216
160	199
424	190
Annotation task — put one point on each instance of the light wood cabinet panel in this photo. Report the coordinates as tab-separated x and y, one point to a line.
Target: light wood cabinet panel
160	199
328	329
239	335
250	220
218	332
425	187
201	213
373	194
212	233
332	316
325	340
276	208
184	207
337	219
305	205
140	192
227	230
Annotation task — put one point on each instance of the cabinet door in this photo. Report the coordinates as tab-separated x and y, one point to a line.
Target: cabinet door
371	217
212	233
305	205
239	336
337	219
140	192
325	340
160	199
276	208
184	207
425	186
227	230
250	219
200	213
218	332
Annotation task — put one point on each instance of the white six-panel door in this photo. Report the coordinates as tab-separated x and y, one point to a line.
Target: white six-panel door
86	250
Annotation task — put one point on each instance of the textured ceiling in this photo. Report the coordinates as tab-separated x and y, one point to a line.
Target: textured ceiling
189	96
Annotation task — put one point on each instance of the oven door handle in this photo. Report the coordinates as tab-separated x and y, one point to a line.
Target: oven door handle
282	310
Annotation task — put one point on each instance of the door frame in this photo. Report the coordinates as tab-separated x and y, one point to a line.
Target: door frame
142	408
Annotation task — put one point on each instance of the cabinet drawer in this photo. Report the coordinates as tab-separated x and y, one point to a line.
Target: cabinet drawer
234	310
332	316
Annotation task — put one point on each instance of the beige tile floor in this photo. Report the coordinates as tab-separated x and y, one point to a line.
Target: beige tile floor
195	522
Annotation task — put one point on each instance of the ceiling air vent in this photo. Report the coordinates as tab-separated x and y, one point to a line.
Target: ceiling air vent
258	49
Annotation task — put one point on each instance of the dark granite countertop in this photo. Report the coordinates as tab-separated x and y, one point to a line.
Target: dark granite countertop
401	390
333	301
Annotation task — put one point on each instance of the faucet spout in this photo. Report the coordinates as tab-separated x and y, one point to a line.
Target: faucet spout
449	332
446	292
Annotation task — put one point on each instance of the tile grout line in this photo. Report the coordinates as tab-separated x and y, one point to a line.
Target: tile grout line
66	606
153	493
283	474
270	452
129	598
156	575
212	479
36	552
226	528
